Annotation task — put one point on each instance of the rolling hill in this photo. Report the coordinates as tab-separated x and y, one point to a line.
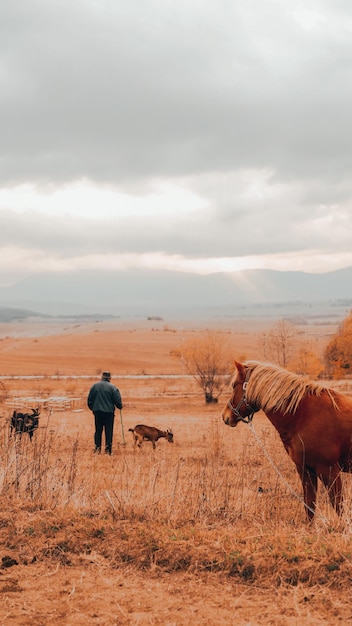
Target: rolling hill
147	292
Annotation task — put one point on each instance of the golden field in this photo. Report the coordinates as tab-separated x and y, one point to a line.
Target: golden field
207	530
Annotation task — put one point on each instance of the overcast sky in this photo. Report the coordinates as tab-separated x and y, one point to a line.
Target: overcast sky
199	135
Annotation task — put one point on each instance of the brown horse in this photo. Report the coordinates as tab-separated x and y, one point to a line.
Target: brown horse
313	421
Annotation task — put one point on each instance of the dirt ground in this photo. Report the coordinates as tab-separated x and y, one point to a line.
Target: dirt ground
93	594
89	591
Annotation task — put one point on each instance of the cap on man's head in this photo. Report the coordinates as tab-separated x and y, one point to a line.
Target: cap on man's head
106	376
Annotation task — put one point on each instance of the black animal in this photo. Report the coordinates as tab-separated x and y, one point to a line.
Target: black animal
25	422
149	433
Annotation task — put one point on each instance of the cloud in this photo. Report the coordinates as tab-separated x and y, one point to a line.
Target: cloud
181	130
261	217
119	91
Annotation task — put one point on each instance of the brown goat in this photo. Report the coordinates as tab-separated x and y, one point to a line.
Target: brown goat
149	433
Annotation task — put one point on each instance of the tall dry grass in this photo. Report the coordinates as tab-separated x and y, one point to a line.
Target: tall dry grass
217	500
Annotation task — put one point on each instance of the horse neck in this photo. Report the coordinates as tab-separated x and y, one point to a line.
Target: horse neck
283	422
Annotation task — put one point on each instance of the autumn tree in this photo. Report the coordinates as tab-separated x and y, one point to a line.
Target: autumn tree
279	343
338	353
206	358
306	362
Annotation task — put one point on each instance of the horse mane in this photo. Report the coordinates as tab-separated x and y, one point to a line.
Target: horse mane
275	389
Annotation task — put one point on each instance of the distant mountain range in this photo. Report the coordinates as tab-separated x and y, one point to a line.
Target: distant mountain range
163	293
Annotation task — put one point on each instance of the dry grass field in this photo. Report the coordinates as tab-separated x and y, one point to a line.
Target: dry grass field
207	530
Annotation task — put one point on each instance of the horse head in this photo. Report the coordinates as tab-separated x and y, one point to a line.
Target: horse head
238	409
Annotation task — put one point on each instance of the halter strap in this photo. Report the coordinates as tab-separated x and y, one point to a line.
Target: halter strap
247	418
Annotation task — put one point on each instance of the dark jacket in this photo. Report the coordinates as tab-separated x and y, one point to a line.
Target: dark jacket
104	396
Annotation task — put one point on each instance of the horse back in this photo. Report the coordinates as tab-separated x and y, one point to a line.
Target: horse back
321	431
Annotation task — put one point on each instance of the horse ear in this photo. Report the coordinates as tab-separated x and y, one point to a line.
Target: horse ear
240	368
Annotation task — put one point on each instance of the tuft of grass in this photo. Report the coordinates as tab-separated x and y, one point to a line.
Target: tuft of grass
203	504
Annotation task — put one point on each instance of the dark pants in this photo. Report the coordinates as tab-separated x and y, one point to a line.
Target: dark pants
103	421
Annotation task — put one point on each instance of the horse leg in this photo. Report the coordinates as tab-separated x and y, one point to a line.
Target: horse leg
309	481
333	483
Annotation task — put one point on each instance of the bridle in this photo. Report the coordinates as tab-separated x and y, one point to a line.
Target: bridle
249	410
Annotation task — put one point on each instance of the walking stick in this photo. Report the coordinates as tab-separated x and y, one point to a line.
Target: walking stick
123	434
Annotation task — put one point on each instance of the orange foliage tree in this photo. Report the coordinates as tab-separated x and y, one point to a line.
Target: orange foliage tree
306	362
338	353
206	359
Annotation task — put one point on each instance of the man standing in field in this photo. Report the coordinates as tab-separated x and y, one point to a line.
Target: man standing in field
102	399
